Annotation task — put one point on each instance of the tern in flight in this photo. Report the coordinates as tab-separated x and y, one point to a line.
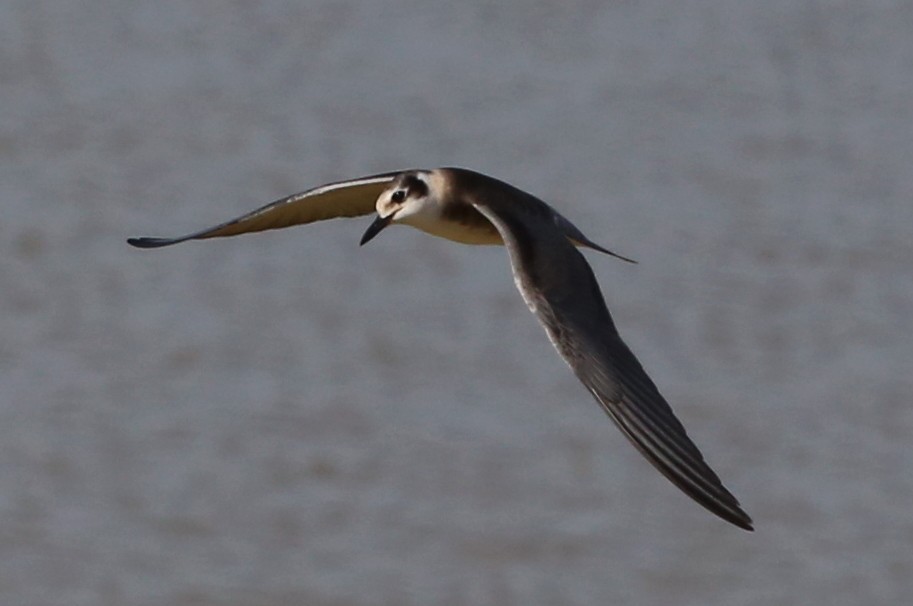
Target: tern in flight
552	275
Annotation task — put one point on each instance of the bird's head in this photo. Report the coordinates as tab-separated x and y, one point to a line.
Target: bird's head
410	196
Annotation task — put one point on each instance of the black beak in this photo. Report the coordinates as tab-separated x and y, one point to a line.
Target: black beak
374	228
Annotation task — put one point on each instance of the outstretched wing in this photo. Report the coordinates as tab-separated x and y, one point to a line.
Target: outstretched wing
560	288
343	199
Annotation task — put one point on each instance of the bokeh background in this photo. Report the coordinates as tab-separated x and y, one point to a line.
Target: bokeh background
289	419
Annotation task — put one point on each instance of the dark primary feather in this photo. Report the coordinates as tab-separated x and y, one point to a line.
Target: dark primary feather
560	288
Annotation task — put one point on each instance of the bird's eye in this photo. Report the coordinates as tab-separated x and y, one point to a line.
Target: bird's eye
399	195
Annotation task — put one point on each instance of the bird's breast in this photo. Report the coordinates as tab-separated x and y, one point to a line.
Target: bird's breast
458	222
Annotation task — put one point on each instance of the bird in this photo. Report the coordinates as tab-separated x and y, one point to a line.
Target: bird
553	277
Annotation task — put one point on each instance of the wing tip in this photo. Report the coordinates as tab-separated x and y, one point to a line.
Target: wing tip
741	519
726	506
146	242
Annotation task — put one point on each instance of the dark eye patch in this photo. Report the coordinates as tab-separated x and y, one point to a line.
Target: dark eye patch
416	186
399	195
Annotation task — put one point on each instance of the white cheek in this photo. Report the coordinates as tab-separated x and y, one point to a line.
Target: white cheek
414	211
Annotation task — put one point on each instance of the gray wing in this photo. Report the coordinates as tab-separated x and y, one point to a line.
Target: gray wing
560	288
343	199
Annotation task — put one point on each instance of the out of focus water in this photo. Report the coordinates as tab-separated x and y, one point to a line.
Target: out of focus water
289	419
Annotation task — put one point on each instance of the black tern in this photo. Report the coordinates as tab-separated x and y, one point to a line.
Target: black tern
553	277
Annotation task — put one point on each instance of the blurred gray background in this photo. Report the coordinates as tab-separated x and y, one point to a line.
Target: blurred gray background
289	419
